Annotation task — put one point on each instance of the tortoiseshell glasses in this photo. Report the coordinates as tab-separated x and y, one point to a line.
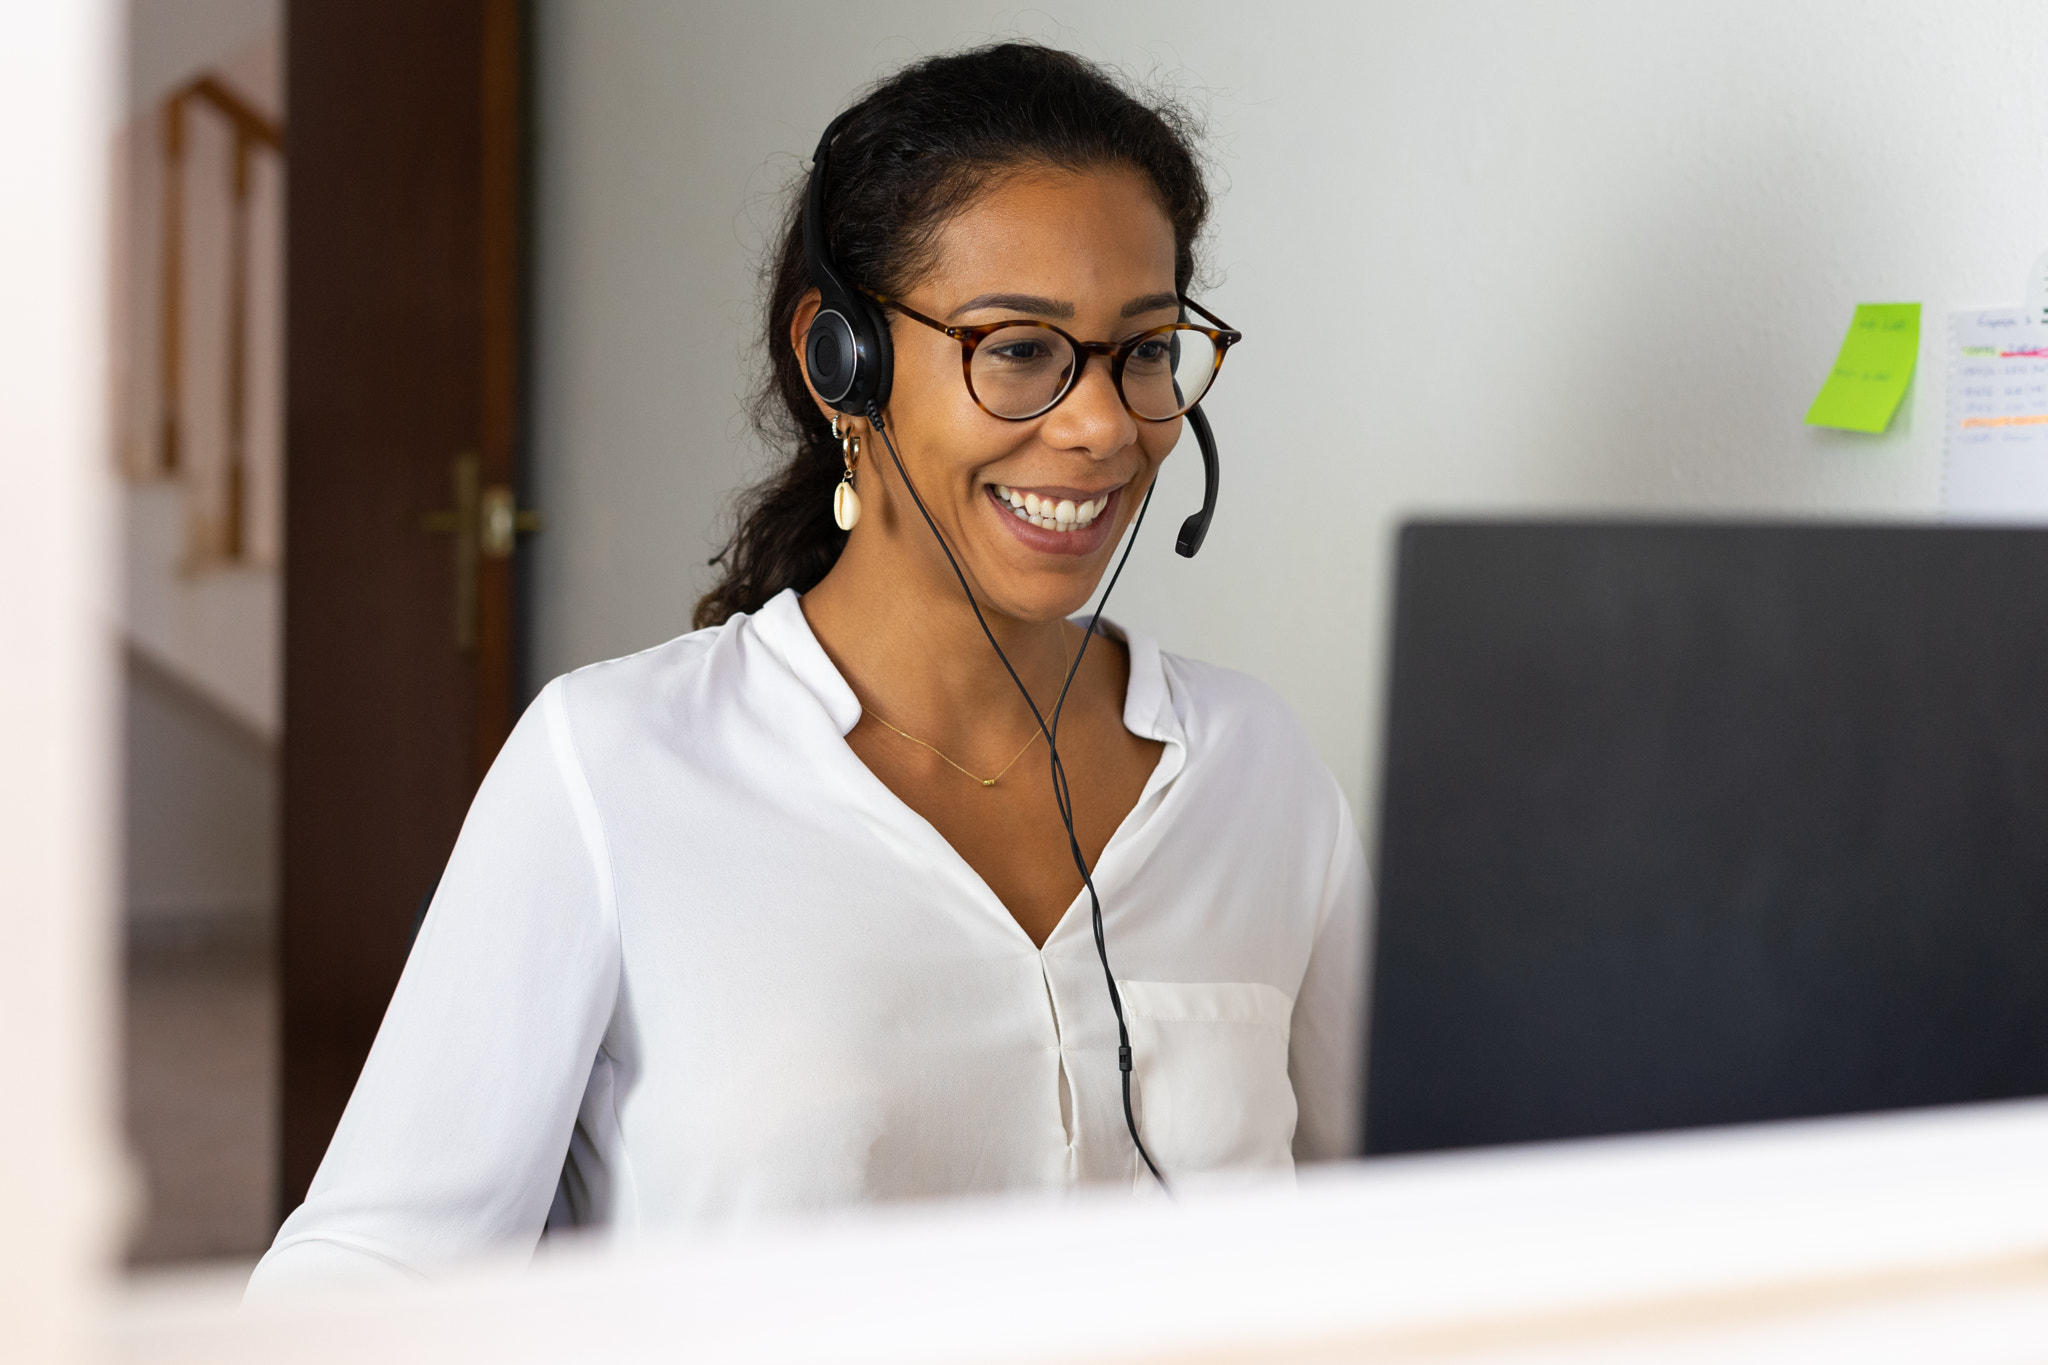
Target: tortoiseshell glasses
1019	369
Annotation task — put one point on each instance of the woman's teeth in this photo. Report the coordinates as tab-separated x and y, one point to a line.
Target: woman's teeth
1062	515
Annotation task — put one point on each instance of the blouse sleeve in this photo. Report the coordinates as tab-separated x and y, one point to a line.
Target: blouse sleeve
1326	1053
453	1141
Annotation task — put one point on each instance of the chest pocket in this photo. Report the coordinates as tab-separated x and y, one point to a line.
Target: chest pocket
1210	1068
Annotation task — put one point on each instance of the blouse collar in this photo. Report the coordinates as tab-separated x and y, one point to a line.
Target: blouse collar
782	626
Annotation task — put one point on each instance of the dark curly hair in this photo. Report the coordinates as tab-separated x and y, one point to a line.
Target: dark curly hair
920	146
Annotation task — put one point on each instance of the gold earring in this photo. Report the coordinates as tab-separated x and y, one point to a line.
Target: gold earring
845	500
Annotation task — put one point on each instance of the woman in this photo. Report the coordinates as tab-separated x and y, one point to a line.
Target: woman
784	914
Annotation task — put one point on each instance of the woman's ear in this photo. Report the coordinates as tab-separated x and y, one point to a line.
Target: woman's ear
799	333
800	324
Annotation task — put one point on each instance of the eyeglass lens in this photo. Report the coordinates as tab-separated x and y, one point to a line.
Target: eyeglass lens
1019	372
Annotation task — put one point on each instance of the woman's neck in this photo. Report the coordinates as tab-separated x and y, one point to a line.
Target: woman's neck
910	647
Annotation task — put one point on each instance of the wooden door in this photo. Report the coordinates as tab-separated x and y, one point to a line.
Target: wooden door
402	435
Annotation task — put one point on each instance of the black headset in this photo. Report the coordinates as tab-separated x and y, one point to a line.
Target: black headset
846	352
848	358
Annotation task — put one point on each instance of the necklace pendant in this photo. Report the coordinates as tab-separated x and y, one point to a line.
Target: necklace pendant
988	782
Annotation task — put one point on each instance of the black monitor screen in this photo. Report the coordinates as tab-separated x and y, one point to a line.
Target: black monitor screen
1701	824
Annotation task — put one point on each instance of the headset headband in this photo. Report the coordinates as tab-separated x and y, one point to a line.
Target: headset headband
847	353
818	255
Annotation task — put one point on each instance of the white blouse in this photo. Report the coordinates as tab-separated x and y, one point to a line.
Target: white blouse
692	962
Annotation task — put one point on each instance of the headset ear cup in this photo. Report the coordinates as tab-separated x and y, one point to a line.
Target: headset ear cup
848	356
832	356
881	376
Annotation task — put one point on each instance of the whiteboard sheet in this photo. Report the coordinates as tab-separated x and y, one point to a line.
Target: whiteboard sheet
1996	442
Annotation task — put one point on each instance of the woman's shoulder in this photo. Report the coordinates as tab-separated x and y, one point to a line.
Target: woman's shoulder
1223	707
692	664
636	686
1245	741
753	664
632	675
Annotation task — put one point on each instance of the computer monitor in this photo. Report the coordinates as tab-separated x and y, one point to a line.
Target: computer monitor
1689	824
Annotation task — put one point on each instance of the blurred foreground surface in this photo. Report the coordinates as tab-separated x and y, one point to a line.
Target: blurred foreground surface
1907	1237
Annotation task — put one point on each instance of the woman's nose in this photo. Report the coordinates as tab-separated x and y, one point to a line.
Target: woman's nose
1092	417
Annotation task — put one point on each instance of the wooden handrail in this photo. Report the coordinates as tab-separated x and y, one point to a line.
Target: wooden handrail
253	129
250	122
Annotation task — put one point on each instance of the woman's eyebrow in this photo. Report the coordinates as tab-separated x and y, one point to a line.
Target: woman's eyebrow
1054	308
1017	303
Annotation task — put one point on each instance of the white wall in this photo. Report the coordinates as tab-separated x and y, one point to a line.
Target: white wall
1487	255
199	808
170	41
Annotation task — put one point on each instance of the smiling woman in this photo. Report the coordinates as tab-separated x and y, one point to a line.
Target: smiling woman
743	924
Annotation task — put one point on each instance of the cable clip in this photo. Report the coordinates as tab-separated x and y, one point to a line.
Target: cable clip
1123	1057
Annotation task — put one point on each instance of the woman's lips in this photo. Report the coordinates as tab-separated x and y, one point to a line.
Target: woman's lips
1056	521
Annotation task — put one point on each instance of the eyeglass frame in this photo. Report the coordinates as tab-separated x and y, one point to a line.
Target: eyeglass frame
1222	336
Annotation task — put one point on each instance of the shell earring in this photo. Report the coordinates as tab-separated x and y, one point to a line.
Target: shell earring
845	500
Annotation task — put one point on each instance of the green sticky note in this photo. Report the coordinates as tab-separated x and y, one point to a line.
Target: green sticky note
1871	373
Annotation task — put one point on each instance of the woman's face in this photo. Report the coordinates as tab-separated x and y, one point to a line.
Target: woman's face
1093	254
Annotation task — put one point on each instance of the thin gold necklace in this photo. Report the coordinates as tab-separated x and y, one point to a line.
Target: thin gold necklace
984	781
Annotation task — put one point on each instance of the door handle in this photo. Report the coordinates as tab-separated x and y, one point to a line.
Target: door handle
483	523
501	521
